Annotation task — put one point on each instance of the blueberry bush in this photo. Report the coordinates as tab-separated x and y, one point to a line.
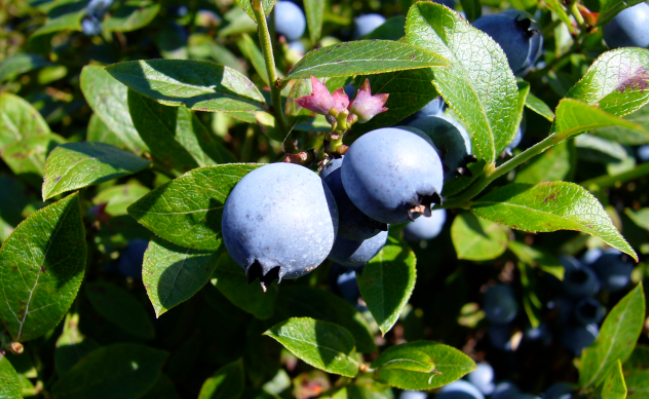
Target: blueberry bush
338	199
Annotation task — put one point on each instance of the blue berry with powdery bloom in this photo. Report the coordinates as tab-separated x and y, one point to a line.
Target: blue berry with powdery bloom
91	26
413	395
629	28
483	378
356	253
518	36
130	260
577	338
612	270
426	228
505	390
289	20
365	24
392	175
459	389
589	311
343	282
279	221
643	153
580	281
500	304
353	224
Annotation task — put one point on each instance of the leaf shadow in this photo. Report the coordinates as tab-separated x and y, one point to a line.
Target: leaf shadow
330	345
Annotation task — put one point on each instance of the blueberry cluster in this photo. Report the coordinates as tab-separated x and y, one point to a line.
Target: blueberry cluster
95	11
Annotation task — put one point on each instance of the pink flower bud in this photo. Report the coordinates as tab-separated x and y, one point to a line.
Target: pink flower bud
319	101
341	101
366	106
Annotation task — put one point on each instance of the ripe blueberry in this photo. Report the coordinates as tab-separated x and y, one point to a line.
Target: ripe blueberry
352	223
131	258
500	337
613	271
365	24
392	175
518	36
413	395
580	281
483	378
357	252
426	228
500	304
343	283
589	311
279	221
629	28
289	20
577	338
505	390
459	389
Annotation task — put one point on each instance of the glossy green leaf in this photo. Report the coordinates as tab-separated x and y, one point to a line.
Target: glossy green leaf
131	15
619	93
555	164
175	136
636	373
204	47
41	268
575	117
450	362
100	133
387	282
171	40
252	53
26	158
18	64
173	274
549	207
65	16
614	386
323	345
10	387
364	57
392	29
266	4
226	383
608	9
559	10
315	11
537	258
404	357
187	210
198	85
478	84
599	150
616	340
537	105
477	239
107	97
625	136
18	119
303	301
232	281
77	165
71	346
120	307
116	371
118	198
409	92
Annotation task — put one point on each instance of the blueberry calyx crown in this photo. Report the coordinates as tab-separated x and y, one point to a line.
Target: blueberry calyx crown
524	25
256	270
423	205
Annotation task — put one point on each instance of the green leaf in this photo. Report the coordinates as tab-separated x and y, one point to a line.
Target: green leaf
560	12
392	29
64	16
232	281
403	357
175	136
323	345
100	133
537	105
116	371
77	165
619	93
558	163
226	383
537	258
120	307
615	341
187	210
575	117
198	85
303	301
599	150
26	158
14	198
450	362
252	53
608	9
364	57
71	345
10	387
107	97
472	9
266	4
131	15
614	386
118	198
549	207
409	92
625	136
477	239
636	373
18	119
314	10
203	47
480	88
19	64
387	282
173	274
41	268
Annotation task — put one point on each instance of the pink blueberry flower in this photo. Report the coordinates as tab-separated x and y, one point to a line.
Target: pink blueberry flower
366	106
